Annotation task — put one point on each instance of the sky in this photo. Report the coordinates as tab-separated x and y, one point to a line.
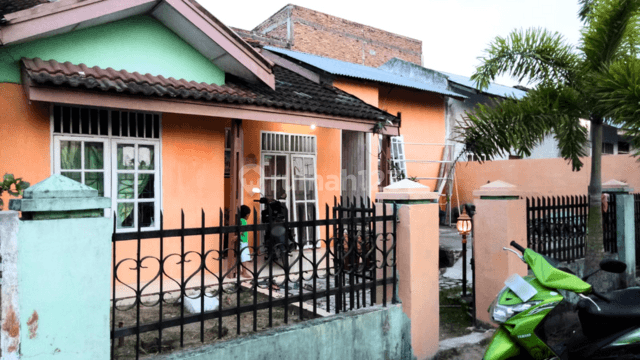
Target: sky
454	33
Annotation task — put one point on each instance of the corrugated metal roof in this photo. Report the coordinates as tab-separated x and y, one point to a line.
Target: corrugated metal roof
343	68
493	89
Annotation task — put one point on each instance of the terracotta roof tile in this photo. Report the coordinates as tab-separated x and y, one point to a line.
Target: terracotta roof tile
293	92
11	6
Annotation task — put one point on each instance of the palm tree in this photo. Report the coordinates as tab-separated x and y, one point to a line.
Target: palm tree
598	80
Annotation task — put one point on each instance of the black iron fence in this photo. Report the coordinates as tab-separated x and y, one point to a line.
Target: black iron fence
609	223
174	287
636	203
557	226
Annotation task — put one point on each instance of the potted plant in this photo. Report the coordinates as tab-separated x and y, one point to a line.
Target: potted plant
13	186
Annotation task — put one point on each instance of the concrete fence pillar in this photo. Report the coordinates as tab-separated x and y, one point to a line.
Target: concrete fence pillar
500	218
63	271
625	225
417	244
10	328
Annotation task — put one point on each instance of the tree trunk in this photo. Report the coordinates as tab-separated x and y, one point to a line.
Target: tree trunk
594	251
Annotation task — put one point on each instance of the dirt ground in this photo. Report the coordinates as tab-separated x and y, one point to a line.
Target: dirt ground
455	321
149	344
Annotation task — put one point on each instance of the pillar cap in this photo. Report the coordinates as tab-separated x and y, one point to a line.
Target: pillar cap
407	190
616	186
59	193
497	189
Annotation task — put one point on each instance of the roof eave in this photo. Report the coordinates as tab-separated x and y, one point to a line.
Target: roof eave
195	107
64	15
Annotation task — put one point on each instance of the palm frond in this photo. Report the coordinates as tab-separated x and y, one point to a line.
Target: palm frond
618	93
611	26
585	9
535	54
521	125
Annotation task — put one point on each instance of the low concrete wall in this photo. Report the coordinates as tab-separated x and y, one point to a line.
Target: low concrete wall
373	333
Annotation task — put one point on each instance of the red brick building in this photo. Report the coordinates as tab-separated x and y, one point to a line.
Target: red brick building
305	30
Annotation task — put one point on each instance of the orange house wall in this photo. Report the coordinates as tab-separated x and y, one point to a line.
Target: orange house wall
192	181
367	92
25	149
192	166
422	122
543	177
327	163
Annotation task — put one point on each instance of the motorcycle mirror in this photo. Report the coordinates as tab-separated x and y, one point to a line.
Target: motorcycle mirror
613	266
256	190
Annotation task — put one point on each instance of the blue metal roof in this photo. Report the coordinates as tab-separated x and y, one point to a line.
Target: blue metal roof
343	68
493	89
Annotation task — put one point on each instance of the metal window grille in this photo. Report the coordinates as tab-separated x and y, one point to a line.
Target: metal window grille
280	142
77	120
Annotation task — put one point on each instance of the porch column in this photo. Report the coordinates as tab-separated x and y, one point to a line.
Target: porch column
625	225
500	218
417	244
63	272
237	162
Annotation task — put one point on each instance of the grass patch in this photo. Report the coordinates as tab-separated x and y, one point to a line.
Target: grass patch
454	314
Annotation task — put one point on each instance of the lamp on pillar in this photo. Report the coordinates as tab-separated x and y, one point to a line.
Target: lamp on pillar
464	227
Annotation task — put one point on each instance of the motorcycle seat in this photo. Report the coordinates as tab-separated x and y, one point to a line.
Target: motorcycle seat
623	311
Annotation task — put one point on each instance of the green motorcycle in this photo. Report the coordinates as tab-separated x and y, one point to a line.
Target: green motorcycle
537	322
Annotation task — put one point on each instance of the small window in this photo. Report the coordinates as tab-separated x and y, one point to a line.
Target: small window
607	148
623	147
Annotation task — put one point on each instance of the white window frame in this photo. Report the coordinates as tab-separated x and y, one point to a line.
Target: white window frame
287	182
294	201
290	192
57	166
156	178
110	174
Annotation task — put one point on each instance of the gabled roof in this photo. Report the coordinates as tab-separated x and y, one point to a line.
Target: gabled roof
293	92
186	18
347	69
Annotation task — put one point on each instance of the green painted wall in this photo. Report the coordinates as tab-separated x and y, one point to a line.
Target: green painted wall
64	275
139	43
372	334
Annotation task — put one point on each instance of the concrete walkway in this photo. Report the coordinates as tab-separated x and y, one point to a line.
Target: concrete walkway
473	338
450	239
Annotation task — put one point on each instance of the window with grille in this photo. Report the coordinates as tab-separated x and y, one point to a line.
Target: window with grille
75	120
607	148
289	167
115	152
281	142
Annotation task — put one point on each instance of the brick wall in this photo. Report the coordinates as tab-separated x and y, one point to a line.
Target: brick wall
326	35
